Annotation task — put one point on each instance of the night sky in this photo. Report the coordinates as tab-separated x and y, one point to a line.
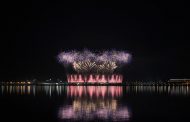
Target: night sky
155	33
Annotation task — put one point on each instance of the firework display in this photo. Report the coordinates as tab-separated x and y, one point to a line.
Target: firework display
94	62
113	78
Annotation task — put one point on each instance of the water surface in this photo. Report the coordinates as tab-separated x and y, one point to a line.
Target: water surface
94	103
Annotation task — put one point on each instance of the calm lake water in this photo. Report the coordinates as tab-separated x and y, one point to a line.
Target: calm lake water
94	103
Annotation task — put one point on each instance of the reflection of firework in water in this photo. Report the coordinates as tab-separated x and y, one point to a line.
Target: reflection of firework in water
94	110
97	92
89	62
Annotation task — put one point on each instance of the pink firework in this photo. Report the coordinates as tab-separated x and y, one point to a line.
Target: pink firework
87	61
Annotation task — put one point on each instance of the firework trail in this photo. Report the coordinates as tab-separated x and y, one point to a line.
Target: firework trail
88	62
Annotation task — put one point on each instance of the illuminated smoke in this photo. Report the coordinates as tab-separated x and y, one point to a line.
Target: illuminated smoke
89	62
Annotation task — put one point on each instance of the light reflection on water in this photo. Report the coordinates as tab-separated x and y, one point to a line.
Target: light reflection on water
88	103
94	91
98	109
169	90
91	91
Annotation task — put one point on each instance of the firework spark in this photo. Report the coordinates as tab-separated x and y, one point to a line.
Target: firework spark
84	66
87	61
107	66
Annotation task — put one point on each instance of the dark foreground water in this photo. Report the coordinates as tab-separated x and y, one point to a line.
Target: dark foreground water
94	103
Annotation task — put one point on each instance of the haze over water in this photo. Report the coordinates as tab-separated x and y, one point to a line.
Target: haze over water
94	103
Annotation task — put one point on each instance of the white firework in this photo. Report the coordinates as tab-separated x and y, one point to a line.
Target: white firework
84	66
107	67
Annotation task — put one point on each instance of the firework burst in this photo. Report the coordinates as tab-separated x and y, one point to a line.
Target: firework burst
84	66
106	67
88	62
